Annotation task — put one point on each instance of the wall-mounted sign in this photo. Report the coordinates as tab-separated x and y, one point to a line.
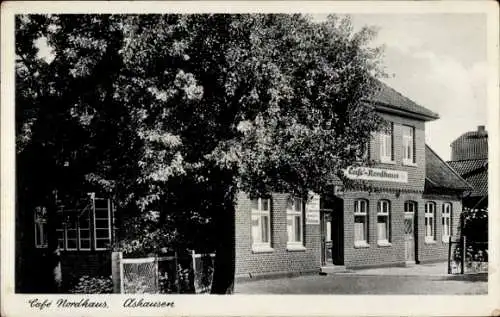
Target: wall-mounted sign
376	174
312	210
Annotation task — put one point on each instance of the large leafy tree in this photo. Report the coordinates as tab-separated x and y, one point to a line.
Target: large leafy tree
177	113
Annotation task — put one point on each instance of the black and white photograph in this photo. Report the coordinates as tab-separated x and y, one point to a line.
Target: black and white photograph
148	155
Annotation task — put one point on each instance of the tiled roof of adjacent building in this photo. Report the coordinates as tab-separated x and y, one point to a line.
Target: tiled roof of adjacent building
441	175
390	98
475	172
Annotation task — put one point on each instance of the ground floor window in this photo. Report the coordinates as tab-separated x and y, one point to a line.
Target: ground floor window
85	228
294	216
446	221
360	222
41	227
430	225
383	221
261	222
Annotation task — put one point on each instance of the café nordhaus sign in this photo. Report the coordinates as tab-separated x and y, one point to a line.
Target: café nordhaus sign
376	174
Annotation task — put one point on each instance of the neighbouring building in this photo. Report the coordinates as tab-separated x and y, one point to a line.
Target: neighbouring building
84	235
469	157
407	216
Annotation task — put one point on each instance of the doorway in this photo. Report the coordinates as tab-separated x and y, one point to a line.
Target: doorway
409	236
332	237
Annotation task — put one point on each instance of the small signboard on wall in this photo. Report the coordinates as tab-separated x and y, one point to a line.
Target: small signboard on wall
312	211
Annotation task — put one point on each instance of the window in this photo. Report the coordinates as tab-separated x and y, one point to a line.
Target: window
71	233
76	225
102	223
261	223
408	145
360	222
84	230
294	225
387	144
446	221
41	227
410	206
430	226
383	222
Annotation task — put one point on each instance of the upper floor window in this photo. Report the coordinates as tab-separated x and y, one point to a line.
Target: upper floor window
294	223
446	221
430	221
387	144
383	221
360	222
261	222
41	227
408	145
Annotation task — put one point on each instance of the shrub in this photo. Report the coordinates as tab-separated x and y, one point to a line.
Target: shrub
93	285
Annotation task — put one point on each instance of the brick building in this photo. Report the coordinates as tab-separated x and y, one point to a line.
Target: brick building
407	216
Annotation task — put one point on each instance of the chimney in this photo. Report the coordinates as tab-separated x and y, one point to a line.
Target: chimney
481	131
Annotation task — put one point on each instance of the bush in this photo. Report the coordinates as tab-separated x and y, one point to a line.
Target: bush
93	285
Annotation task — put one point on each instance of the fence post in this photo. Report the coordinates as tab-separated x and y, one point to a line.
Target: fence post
464	244
116	271
177	284
449	255
157	277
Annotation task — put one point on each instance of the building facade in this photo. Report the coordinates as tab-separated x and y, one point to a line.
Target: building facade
410	209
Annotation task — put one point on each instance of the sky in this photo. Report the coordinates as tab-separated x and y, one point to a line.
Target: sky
439	61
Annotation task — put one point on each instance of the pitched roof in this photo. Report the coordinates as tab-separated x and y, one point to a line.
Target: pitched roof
467	166
387	98
441	175
475	172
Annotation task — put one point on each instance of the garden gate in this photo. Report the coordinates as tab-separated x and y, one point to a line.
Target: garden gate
168	274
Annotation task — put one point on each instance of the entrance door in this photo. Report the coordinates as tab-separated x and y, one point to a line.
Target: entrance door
410	237
326	238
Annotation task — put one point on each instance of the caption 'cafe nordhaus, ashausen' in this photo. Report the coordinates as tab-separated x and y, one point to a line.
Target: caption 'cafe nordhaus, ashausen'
407	217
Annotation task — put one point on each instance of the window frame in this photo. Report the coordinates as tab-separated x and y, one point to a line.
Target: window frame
108	238
293	213
361	212
75	218
447	215
405	140
40	226
88	229
260	246
385	136
430	218
386	213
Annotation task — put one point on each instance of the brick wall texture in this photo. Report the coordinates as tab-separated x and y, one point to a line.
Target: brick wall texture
280	260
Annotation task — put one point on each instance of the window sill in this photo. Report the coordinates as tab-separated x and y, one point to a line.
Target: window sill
446	239
361	245
384	243
387	162
295	247
262	249
410	164
430	242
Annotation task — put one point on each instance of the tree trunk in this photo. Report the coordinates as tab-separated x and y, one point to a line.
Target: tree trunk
224	268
